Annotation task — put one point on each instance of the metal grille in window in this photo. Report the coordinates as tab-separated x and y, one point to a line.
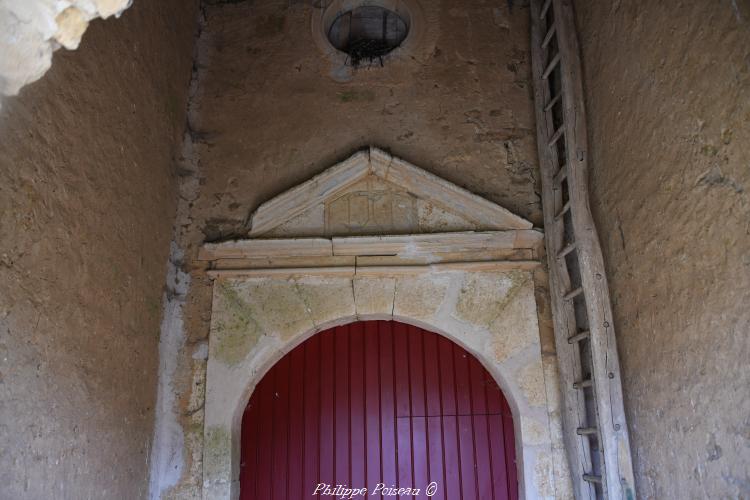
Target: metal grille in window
367	33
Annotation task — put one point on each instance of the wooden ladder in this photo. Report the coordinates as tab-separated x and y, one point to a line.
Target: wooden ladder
595	430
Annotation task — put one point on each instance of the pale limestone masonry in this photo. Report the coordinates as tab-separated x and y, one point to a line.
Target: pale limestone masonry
31	30
372	192
351	244
257	320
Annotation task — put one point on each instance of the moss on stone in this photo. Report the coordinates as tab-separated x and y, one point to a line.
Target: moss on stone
421	297
483	297
280	309
217	453
237	332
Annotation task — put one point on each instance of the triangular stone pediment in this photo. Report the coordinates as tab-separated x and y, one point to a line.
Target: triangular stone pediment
374	193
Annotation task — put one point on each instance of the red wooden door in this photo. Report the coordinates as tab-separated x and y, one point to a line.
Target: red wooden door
377	402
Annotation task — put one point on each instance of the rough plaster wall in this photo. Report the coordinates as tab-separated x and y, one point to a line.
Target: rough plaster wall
271	116
268	115
87	198
668	95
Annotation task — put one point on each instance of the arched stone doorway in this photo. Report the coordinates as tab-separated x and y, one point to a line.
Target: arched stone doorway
378	407
376	238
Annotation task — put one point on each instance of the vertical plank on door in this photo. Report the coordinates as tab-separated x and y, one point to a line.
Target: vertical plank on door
510	451
435	436
465	422
378	402
371	362
403	407
296	453
358	451
389	449
279	470
451	449
496	441
312	413
327	419
342	424
265	389
481	431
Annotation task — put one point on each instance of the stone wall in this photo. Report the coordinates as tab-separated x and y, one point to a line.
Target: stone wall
87	202
271	113
272	109
668	96
492	314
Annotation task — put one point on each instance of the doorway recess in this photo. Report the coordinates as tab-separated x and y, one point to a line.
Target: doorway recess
376	406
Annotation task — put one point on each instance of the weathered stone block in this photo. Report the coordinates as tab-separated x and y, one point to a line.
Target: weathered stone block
234	329
534	432
483	296
374	296
327	299
514	328
543	475
563	483
531	381
217	467
420	297
278	307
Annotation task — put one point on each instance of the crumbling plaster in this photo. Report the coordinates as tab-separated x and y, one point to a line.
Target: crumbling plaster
31	30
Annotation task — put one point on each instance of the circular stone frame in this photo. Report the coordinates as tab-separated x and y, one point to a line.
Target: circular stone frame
409	10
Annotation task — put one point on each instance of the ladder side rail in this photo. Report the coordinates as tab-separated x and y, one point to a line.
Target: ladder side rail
573	401
618	469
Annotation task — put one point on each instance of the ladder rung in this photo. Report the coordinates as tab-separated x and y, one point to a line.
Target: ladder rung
583	384
565	208
565	251
578	337
556	136
549	35
561	174
551	66
586	431
545	8
573	293
552	102
590	478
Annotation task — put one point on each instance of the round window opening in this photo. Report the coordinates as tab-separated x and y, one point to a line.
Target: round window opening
367	33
